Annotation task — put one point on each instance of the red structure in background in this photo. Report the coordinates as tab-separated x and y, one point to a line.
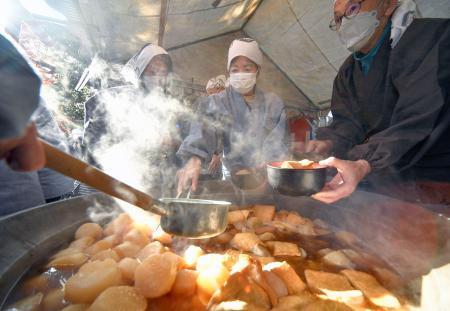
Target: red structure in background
300	130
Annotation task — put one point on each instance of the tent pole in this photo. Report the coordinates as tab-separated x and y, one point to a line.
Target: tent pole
162	22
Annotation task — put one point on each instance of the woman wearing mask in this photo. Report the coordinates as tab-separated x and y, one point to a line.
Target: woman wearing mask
141	115
250	123
148	70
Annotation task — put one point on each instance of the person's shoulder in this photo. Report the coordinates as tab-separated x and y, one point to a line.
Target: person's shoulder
274	104
272	98
423	33
423	37
430	24
345	69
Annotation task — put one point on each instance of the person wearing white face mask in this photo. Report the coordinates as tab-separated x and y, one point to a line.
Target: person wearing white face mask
148	73
148	70
390	102
250	123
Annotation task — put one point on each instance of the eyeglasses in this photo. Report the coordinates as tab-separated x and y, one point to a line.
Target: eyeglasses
246	40
351	11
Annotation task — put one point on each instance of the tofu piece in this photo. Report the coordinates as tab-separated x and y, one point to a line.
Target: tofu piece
324	251
264	260
185	283
284	249
240	286
297	302
152	248
318	281
307	229
358	259
387	277
161	236
253	222
191	255
267	236
238	216
281	216
235	305
305	162
320	223
240	226
326	305
346	238
370	287
285	272
276	283
230	257
334	287
260	250
354	298
73	260
288	164
264	212
223	238
206	261
265	229
295	220
245	241
338	259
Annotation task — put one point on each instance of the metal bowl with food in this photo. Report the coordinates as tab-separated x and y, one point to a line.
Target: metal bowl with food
296	178
247	179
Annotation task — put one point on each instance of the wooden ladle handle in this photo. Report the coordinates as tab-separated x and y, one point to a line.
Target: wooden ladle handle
70	166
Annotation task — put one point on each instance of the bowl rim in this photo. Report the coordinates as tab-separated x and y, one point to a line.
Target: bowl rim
269	164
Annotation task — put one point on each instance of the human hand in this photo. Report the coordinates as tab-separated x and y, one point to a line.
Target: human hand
189	174
214	164
350	173
24	153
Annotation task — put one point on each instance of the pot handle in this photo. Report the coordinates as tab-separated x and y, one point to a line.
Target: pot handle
70	166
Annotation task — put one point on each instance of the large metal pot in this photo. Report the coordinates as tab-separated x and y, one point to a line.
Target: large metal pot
409	238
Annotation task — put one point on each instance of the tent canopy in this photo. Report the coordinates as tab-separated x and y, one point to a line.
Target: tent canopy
302	55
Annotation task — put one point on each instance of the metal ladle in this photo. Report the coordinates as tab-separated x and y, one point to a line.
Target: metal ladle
186	217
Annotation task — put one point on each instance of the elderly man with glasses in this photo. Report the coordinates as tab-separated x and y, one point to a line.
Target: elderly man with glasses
390	99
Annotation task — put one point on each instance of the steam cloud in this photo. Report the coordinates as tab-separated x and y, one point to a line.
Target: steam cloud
139	127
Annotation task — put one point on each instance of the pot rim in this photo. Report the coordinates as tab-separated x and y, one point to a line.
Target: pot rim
194	201
270	165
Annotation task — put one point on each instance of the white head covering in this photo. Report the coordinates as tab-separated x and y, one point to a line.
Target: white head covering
137	64
245	47
401	19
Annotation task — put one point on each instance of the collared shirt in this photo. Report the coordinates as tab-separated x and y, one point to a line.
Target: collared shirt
366	59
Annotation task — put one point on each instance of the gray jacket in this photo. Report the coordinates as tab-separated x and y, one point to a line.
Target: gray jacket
250	134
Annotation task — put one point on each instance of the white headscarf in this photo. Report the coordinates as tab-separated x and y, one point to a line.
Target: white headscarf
137	64
245	47
401	19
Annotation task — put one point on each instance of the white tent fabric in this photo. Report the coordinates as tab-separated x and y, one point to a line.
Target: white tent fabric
300	43
301	53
